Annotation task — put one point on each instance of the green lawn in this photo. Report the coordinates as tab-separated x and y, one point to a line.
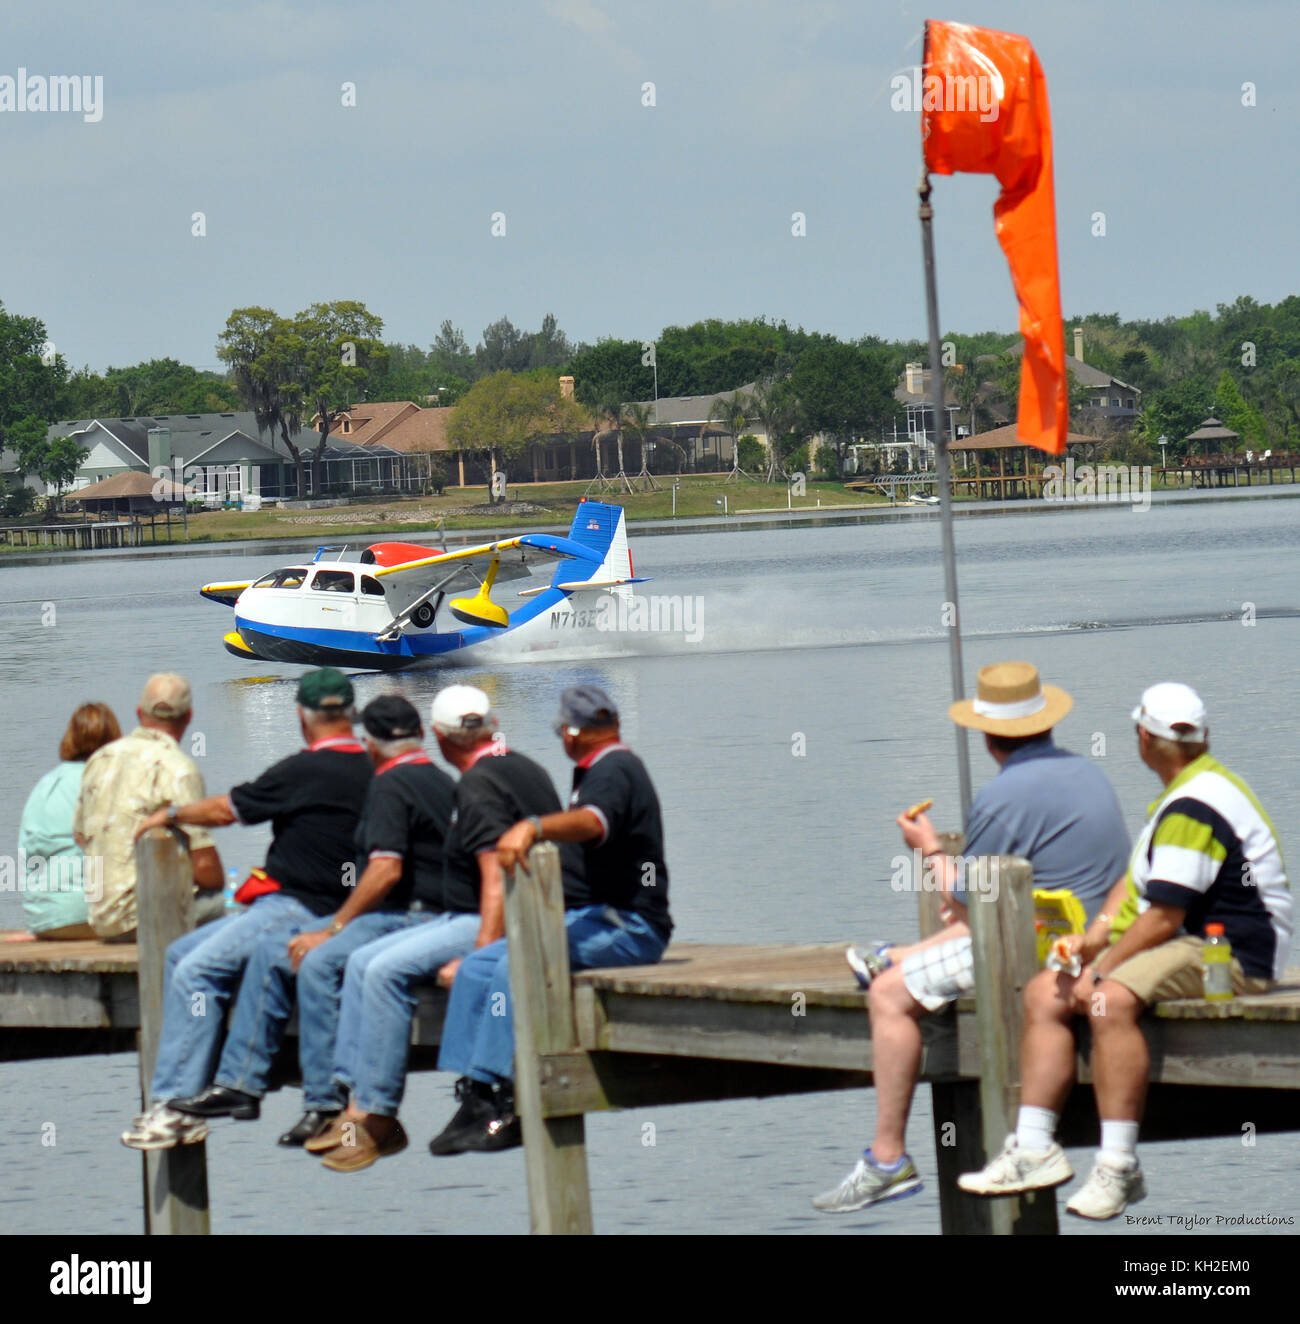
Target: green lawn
697	495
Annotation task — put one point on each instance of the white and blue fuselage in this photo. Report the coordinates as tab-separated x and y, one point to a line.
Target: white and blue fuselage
390	607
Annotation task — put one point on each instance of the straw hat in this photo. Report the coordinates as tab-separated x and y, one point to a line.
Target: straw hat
1011	701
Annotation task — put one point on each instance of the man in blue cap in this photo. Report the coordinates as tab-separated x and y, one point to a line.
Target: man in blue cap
616	914
313	800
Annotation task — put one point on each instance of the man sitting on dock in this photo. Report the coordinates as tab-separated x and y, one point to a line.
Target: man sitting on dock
1052	807
313	800
1208	854
128	779
616	913
399	844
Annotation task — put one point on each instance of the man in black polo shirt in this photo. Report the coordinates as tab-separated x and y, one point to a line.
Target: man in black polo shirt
312	800
399	844
496	786
616	912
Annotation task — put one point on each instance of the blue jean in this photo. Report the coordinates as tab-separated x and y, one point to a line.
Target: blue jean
202	971
478	1036
266	1001
379	998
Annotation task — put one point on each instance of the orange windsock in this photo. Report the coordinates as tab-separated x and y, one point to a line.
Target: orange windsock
984	111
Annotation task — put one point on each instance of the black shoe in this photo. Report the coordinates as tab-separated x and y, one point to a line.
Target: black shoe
476	1110
503	1131
219	1101
311	1123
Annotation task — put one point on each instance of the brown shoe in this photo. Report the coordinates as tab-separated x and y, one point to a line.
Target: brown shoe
331	1134
365	1149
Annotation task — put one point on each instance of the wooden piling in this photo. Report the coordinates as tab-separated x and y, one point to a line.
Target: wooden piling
175	1180
541	995
1001	918
955	1106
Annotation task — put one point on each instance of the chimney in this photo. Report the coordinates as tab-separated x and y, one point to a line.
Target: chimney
566	388
914	379
1078	343
160	448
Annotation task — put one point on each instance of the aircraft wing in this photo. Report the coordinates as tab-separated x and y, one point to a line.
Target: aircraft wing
517	555
226	594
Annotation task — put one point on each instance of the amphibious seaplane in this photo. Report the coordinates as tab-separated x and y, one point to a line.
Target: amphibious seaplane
389	607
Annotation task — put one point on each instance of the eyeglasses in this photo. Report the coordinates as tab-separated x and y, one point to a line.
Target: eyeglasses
563	729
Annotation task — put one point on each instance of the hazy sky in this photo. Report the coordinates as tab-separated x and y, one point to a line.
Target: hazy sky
620	218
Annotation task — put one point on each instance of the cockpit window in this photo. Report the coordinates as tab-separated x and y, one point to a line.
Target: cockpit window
334	581
294	577
372	586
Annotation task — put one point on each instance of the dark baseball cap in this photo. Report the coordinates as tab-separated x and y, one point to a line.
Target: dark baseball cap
586	705
325	689
391	717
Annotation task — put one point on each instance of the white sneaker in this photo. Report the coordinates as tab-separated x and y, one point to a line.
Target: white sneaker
164	1128
868	1184
1108	1191
1015	1170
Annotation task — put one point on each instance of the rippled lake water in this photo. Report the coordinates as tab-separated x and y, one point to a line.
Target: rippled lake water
828	633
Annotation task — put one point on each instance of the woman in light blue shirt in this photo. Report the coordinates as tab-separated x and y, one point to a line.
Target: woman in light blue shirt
53	869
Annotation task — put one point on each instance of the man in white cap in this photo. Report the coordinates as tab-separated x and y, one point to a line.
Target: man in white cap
1054	808
615	903
1208	855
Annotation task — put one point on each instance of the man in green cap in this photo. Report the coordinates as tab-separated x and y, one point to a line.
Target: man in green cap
313	799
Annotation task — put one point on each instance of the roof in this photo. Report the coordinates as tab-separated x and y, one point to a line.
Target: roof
906	397
1006	439
371	419
121	487
424	430
681	409
1212	430
191	434
1084	373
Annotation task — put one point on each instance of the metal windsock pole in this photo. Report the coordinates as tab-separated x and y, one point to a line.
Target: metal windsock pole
944	463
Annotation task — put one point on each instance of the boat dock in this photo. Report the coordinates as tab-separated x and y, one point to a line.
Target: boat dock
709	1022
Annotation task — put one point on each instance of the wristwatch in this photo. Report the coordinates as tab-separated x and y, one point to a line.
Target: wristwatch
172	812
536	821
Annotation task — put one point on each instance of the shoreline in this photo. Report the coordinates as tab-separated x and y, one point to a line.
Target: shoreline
736	521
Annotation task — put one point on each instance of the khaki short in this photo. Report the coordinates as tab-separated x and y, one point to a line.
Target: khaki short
1173	970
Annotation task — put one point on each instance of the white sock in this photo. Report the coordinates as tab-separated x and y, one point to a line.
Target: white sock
1035	1128
1119	1143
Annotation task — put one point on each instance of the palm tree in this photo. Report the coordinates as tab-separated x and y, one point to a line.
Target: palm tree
774	405
733	413
638	420
608	414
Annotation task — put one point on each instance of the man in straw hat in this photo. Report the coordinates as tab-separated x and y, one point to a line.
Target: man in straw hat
1052	807
1208	855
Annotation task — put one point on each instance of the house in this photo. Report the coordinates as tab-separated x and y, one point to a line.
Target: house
224	456
1108	398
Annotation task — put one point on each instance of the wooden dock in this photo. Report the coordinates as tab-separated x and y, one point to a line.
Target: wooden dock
709	1022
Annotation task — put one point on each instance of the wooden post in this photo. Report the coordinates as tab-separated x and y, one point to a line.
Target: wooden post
1000	891
955	1106
175	1180
541	994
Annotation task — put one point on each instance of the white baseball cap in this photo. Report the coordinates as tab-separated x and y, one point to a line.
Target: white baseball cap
1173	711
460	709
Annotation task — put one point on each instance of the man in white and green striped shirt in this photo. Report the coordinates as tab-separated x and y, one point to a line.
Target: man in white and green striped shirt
1208	855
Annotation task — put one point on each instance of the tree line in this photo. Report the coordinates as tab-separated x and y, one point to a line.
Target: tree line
1241	364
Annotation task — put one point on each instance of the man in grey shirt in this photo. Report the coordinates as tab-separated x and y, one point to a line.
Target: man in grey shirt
1054	808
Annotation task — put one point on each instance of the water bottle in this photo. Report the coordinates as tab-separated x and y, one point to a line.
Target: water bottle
1216	965
228	892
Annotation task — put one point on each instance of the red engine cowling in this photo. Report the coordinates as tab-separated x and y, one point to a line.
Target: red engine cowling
397	553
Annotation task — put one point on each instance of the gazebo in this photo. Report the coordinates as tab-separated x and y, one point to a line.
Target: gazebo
1216	437
136	495
1012	458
